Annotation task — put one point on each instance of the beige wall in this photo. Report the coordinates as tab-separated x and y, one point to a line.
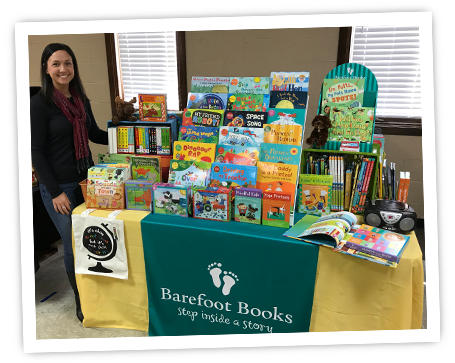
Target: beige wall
237	53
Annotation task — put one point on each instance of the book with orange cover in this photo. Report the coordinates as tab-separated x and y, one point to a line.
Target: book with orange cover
152	107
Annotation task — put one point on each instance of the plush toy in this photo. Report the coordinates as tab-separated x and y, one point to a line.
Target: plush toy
320	133
125	110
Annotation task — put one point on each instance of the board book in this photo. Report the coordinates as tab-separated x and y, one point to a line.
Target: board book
286	116
114	158
231	175
245	119
207	101
170	199
276	208
342	92
196	151
242	136
247	205
113	174
212	203
207	135
247	102
280	153
126	166
197	117
185	172
152	107
210	84
138	195
289	81
288	99
283	134
315	194
235	154
253	85
125	140
146	168
351	124
105	195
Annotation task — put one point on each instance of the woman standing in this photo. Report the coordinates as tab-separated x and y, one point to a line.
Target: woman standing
62	123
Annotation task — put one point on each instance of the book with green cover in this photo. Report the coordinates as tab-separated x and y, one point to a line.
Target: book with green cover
342	92
199	134
209	84
146	168
351	124
188	172
114	158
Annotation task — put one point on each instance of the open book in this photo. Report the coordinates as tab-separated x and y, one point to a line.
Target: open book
341	232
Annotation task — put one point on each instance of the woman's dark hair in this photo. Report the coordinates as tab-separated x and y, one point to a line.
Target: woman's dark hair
46	81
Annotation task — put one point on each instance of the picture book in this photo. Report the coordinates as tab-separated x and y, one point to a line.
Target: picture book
247	102
196	117
152	107
253	85
232	175
315	194
280	153
243	136
252	119
351	123
113	175
207	101
210	84
146	168
196	151
170	199
212	203
105	195
283	134
278	177
276	208
289	81
288	99
286	116
185	172
234	154
125	140
199	134
342	92
139	195
247	205
126	166
114	158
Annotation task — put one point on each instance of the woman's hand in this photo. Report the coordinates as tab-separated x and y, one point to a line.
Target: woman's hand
62	204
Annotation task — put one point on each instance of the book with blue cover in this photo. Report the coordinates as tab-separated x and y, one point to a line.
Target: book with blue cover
289	81
280	153
199	134
286	116
288	99
232	175
256	85
242	136
209	84
207	101
245	119
188	172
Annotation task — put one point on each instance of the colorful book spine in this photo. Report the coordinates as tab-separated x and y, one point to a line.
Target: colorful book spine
407	181
358	186
366	185
401	187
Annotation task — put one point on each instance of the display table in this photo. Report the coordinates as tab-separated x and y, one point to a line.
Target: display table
272	283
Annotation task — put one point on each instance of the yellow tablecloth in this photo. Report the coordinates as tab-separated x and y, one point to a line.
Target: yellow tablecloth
351	294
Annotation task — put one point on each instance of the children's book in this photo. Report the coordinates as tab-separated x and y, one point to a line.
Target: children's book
212	203
283	134
126	166
105	195
185	172
351	123
208	118
232	175
280	153
289	81
253	85
207	101
209	84
315	194
152	107
342	92
146	168
114	158
195	151
234	154
125	140
245	119
207	135
288	99
247	205
139	195
242	136
112	174
247	102
276	208
171	199
286	116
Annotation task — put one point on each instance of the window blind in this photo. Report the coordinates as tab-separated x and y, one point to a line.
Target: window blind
393	55
148	64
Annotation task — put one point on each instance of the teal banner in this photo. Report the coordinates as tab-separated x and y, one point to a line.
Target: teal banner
207	277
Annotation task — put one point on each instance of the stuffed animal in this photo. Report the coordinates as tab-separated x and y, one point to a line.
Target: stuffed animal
125	110
320	133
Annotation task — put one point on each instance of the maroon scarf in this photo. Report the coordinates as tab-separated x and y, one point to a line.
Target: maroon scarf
75	113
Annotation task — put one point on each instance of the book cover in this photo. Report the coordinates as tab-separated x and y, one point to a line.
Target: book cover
185	172
235	154
199	134
196	117
315	194
139	195
114	158
210	84
196	151
253	85
277	177
283	134
112	175
242	136
286	116
233	175
276	208
247	205
245	119
212	203
207	101
351	124
288	99
289	81
342	92
280	153
247	102
170	199
152	107
146	168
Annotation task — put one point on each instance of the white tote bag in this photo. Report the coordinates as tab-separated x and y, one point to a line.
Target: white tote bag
99	245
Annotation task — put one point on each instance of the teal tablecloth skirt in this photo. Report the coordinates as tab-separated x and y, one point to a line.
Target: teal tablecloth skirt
209	277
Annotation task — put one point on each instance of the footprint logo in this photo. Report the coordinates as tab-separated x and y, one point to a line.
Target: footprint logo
215	271
229	280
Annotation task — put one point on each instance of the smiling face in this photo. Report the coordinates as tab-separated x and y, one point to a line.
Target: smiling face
61	70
